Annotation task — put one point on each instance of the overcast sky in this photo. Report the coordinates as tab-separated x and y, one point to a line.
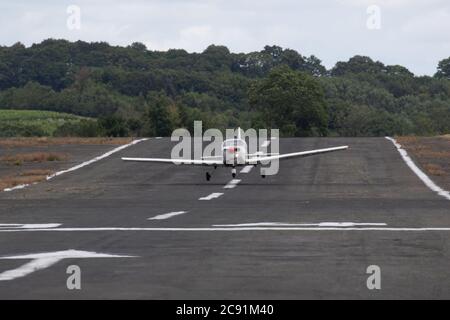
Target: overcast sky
413	33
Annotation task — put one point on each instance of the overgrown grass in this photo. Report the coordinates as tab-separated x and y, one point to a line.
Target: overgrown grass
28	123
19	158
53	141
26	177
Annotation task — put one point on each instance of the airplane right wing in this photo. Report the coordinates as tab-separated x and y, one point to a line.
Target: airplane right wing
297	154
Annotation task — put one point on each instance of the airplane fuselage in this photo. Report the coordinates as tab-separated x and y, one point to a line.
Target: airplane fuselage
234	152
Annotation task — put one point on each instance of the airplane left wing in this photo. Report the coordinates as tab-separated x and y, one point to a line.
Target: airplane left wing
178	161
297	154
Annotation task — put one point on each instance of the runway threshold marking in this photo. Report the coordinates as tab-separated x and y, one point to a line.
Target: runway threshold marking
211	196
232	184
422	176
167	215
44	260
246	169
81	165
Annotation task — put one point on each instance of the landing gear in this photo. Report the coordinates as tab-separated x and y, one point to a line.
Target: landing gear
233	173
263	176
208	176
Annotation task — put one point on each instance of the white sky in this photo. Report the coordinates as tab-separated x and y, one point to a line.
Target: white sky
414	33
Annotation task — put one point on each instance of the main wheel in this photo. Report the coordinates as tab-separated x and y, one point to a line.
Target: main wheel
263	176
208	176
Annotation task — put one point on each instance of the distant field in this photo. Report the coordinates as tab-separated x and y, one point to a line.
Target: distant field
28	123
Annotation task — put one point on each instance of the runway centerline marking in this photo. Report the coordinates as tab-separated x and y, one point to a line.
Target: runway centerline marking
45	260
422	176
211	196
246	169
167	215
232	184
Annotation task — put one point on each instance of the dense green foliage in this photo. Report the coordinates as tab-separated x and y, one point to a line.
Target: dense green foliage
45	123
135	91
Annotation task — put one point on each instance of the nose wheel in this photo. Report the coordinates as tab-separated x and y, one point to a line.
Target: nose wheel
233	173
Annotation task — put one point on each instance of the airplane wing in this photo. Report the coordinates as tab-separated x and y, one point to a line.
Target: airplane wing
178	161
297	154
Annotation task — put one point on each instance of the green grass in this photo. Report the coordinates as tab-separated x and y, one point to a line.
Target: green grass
33	122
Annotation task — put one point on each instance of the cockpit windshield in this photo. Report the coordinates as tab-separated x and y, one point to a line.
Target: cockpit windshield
233	143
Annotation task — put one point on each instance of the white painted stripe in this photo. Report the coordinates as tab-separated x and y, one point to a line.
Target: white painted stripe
158	138
211	196
167	215
44	260
265	144
29	225
282	224
428	182
103	156
28	268
247	169
232	184
20	186
411	229
81	165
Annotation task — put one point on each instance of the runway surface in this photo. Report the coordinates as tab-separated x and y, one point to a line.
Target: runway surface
309	232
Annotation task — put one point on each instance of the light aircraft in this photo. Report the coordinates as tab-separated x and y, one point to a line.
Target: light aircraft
235	154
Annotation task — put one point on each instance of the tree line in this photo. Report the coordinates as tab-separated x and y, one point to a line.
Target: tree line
135	91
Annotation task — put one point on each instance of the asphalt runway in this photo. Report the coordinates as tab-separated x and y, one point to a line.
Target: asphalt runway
231	247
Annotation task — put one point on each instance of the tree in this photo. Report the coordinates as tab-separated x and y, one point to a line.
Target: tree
291	101
443	69
113	126
139	46
157	116
357	64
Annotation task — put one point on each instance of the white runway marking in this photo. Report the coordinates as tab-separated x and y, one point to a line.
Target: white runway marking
232	184
167	215
211	196
389	229
20	186
81	165
44	260
246	169
428	182
29	225
282	224
265	144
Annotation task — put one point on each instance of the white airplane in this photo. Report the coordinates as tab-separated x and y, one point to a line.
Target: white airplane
235	154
